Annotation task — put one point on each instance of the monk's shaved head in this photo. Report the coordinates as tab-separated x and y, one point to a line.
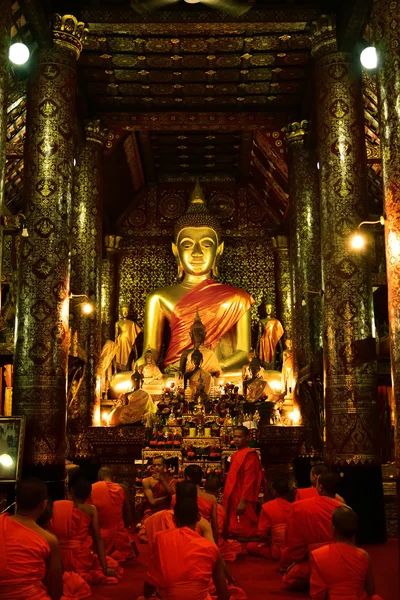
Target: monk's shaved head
213	484
345	522
31	493
186	512
186	489
194	473
319	468
327	484
243	429
105	473
81	488
280	486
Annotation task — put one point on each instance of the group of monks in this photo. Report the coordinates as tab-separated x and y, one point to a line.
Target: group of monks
59	551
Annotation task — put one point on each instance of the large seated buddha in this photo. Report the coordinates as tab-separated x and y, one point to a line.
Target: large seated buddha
224	309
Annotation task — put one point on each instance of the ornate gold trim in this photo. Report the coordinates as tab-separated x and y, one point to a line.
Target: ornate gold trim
69	32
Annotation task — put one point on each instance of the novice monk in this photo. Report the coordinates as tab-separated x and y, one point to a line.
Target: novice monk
76	526
30	561
272	524
242	487
115	514
229	549
158	490
183	563
309	526
312	491
341	571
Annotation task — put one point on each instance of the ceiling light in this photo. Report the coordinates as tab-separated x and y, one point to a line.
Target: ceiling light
18	53
192	1
369	58
6	460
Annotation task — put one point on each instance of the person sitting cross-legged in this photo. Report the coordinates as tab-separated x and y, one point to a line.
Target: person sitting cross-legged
310	492
76	525
341	571
272	523
308	527
30	561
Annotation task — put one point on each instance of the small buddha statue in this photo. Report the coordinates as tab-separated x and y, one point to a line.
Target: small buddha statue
246	372
149	370
287	367
256	388
140	405
197	376
270	331
225	309
210	361
126	332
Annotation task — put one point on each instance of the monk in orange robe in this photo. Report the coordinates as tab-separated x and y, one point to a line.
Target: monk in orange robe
341	571
115	514
30	561
311	492
242	487
183	563
229	549
76	525
309	527
158	491
272	523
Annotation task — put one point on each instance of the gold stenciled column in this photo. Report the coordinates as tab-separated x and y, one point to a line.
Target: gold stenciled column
282	283
86	261
352	414
42	338
305	245
386	17
109	287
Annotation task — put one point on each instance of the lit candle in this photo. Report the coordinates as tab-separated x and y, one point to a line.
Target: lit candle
192	432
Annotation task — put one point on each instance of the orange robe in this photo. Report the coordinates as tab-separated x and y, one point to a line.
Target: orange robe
273	331
160	521
243	481
23	556
72	528
220	307
158	492
109	499
229	549
309	526
338	572
273	520
311	492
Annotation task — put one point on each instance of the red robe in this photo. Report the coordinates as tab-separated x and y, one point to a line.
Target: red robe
109	500
311	492
72	526
229	549
338	572
273	331
273	520
158	492
220	307
23	556
243	481
309	526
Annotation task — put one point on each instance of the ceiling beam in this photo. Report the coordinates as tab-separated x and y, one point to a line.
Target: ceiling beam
352	18
38	23
147	157
246	146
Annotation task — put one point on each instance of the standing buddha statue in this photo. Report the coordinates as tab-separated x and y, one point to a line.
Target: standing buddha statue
270	331
126	332
225	309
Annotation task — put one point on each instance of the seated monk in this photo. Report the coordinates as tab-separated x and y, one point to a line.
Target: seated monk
30	561
242	487
158	491
229	549
76	526
309	527
272	524
310	492
140	404
183	563
115	515
341	571
207	503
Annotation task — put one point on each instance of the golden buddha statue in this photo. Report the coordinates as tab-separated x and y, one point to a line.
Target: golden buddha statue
210	362
256	388
225	309
152	376
287	367
198	379
270	331
126	332
139	405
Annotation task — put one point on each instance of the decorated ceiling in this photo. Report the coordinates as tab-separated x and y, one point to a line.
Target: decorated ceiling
189	91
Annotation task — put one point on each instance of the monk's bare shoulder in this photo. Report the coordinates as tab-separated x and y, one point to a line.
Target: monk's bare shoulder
367	556
208	497
146	483
49	537
124	487
88	509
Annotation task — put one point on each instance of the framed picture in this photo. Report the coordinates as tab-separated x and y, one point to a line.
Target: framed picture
12	434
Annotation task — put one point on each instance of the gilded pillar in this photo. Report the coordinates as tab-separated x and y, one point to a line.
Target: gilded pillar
352	413
386	17
282	283
86	262
42	337
109	287
305	245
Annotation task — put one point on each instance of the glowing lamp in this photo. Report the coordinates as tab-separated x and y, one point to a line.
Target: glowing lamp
357	241
294	416
123	386
369	58
18	53
87	308
275	385
6	460
192	1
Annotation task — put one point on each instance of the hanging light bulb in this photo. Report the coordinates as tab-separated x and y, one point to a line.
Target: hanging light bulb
87	308
369	58
18	53
357	241
6	460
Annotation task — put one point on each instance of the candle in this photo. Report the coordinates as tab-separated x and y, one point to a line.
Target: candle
192	432
207	431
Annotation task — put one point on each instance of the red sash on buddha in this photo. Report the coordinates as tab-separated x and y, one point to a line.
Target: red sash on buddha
220	307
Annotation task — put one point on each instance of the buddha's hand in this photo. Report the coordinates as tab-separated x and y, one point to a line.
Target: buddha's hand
109	572
241	507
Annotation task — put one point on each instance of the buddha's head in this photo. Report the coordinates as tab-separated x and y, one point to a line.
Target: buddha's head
198	246
268	306
124	308
148	357
289	344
